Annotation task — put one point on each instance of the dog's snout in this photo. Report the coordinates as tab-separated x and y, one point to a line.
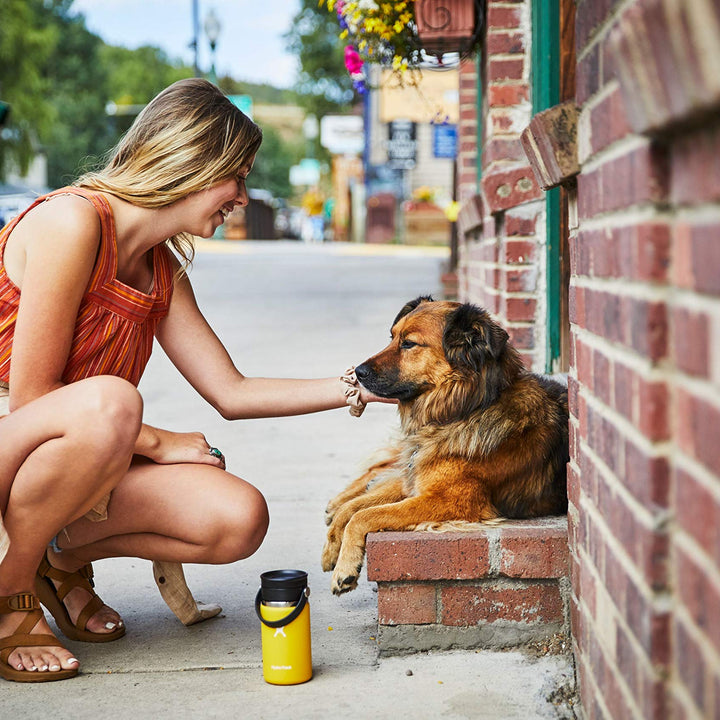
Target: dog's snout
362	372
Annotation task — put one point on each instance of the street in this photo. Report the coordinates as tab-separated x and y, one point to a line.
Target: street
283	309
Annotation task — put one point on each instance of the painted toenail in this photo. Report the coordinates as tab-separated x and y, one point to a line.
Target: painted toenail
110	625
33	668
73	660
43	668
54	668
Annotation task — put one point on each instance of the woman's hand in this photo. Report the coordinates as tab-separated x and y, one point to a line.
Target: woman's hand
367	397
167	448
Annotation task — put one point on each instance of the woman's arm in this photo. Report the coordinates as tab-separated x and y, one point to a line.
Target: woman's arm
196	351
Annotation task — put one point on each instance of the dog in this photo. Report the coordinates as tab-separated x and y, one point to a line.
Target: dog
481	437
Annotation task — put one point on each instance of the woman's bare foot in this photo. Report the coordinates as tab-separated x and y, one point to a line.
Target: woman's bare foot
35	659
105	620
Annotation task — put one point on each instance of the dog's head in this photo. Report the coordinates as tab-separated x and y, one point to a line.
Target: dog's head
448	355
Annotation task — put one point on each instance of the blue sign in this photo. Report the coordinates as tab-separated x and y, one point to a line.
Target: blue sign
445	141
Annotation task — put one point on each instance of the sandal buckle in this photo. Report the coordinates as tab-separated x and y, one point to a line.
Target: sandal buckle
23	601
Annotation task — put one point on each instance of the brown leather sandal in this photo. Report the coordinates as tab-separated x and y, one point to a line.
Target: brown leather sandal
52	599
27	602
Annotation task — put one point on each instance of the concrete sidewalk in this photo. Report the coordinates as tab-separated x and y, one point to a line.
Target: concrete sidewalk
284	309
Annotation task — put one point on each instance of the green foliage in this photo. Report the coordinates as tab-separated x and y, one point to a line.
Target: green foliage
260	92
272	165
136	76
78	94
324	84
25	46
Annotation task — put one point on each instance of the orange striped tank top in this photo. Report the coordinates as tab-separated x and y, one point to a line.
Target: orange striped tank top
115	327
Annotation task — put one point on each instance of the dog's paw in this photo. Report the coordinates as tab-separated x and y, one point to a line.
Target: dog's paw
342	582
329	515
329	556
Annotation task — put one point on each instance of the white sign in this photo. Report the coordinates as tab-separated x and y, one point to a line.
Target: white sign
342	134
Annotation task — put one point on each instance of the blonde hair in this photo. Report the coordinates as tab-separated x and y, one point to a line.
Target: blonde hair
186	139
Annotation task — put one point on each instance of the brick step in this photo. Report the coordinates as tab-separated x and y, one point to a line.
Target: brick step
490	586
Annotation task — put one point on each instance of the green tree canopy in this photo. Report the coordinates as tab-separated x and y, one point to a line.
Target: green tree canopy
324	84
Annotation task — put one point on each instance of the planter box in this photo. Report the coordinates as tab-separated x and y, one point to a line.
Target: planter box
445	25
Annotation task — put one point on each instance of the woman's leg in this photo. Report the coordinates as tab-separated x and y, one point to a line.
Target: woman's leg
183	513
60	455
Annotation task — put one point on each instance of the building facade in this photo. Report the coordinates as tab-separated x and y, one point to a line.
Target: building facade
588	171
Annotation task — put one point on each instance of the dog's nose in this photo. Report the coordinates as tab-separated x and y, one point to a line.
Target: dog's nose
362	371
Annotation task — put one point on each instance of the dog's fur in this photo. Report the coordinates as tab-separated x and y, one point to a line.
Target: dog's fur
482	438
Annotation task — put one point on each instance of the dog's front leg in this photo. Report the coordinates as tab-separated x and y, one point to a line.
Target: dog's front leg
360	485
387	491
395	516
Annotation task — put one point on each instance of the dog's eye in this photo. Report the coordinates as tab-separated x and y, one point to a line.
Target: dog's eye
407	344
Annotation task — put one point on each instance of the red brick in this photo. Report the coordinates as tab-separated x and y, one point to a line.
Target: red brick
691	341
690	666
395	556
534	552
695	175
522	336
518	280
587	75
507	188
504	43
698	422
601	377
698	593
648	331
499	70
503	148
652	413
519	309
518	251
646	475
520	225
467	605
503	17
697	512
697	257
507	94
406	604
608	122
638	177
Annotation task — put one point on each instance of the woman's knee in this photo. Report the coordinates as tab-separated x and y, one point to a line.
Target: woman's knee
240	529
109	410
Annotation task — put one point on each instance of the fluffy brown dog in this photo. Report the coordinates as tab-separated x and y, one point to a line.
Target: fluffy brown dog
482	438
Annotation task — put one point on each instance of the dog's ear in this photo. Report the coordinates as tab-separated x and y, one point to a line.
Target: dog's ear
409	307
471	338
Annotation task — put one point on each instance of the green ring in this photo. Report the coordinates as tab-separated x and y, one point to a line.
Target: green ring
215	452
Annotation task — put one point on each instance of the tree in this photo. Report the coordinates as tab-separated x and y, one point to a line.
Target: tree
272	166
78	93
324	84
25	45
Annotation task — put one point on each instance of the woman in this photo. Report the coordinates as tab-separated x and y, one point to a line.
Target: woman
86	281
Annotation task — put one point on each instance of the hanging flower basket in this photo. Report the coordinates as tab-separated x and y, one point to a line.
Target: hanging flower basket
446	25
402	34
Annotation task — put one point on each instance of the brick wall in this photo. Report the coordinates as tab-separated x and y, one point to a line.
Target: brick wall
501	260
645	382
644	476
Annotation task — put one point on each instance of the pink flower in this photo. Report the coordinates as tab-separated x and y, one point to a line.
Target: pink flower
353	62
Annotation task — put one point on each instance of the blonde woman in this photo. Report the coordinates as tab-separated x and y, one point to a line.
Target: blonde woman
87	281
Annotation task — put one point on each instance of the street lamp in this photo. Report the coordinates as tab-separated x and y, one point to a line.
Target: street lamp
212	30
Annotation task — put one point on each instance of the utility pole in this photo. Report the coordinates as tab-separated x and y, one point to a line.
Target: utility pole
196	33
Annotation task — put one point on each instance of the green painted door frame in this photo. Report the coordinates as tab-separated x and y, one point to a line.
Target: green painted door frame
545	94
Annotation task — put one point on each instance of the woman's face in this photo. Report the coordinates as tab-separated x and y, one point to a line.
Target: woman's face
208	209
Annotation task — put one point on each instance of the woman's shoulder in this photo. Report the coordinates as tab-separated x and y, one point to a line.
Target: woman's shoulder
61	217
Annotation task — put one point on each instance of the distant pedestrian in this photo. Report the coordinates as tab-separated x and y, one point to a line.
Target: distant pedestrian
87	280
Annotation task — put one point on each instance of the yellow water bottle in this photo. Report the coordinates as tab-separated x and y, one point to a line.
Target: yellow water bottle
283	608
